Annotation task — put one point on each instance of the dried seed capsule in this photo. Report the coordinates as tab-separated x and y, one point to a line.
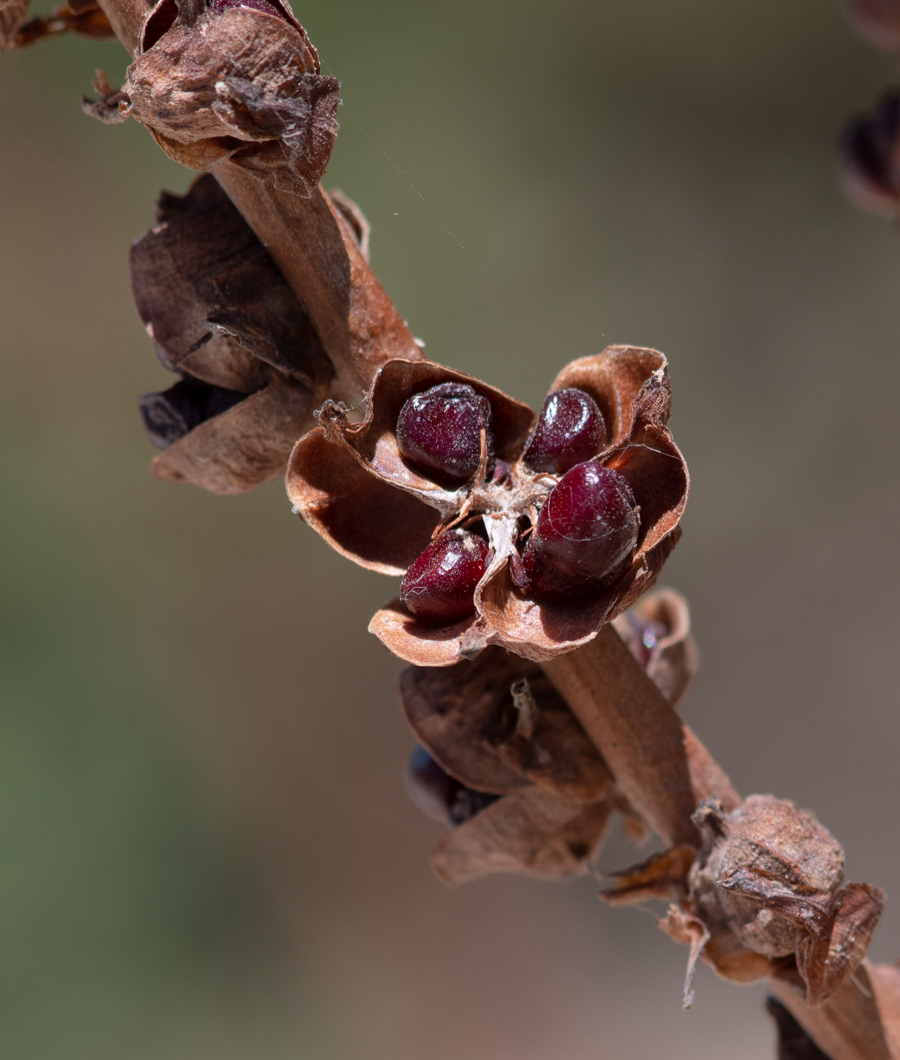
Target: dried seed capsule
171	414
440	585
439	432
570	430
586	529
438	794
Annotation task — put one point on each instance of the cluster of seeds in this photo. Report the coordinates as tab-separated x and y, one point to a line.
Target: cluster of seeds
585	531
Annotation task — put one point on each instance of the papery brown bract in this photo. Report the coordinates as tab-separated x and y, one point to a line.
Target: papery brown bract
769	877
238	84
630	386
84	18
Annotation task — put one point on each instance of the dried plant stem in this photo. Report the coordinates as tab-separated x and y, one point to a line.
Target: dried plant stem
313	246
661	767
316	251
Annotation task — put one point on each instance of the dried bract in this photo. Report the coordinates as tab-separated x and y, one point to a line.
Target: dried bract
84	18
870	158
223	317
226	81
769	875
382	509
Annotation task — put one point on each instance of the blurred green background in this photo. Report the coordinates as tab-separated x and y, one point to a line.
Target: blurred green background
205	846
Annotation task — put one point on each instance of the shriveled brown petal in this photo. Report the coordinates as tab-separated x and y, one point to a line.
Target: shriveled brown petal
662	876
531	831
470	720
243	447
360	516
202	275
12	14
237	77
374	440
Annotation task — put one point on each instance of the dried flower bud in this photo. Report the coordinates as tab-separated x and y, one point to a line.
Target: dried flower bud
870	158
770	876
239	82
221	314
381	509
877	20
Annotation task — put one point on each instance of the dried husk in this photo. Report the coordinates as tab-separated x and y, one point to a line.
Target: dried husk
242	85
531	831
632	388
208	291
243	447
770	875
12	14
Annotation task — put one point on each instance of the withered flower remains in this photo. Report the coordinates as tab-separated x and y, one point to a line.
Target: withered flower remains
222	316
549	548
510	766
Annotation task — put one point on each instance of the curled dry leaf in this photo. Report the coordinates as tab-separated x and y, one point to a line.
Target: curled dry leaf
222	316
768	879
84	18
12	14
657	630
870	158
631	388
662	876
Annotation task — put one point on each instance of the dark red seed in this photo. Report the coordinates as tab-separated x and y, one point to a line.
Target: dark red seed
221	6
586	529
440	585
439	432
569	430
438	794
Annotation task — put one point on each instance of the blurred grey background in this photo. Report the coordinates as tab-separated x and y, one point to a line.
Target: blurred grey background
205	846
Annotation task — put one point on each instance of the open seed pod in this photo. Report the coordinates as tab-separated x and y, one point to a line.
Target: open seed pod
352	483
223	81
768	882
222	316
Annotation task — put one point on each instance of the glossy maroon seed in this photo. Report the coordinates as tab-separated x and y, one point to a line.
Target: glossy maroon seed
440	585
585	531
439	431
438	794
569	430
